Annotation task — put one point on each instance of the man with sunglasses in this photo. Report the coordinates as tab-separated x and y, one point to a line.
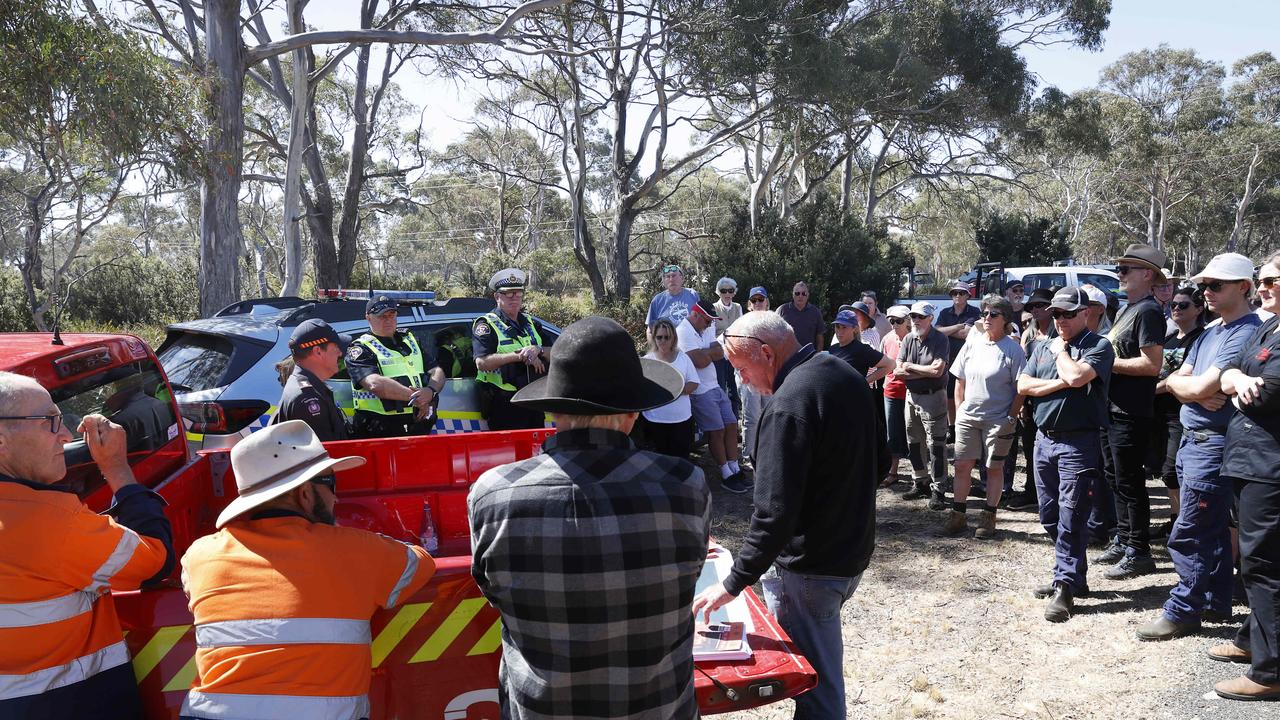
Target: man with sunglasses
62	652
394	382
1200	544
1066	383
281	596
955	322
805	319
923	358
512	349
1138	339
674	302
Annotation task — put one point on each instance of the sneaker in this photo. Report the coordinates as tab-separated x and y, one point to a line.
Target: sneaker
956	524
1162	628
919	492
1112	555
986	525
937	501
734	484
745	478
1021	501
978	490
1131	566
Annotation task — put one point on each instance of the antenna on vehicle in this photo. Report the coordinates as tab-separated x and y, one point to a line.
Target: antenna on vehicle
57	320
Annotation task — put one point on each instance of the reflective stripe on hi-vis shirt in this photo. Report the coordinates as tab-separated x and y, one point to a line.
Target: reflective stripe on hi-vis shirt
41	612
228	705
406	577
82	668
283	631
119	557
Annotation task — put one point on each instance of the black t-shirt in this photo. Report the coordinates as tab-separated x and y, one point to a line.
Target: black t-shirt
1175	353
485	342
1139	325
948	317
860	356
1253	436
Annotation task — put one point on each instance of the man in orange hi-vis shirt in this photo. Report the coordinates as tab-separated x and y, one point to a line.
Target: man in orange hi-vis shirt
282	598
62	654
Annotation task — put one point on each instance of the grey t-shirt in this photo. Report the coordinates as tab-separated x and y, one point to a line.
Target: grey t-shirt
807	323
990	374
933	347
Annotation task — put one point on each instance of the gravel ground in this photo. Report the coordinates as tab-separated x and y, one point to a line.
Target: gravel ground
948	628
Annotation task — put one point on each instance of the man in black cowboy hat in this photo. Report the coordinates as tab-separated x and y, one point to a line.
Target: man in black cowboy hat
591	550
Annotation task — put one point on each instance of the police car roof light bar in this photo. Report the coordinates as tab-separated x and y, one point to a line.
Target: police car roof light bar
399	295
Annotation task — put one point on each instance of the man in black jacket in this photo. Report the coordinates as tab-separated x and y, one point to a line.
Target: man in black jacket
813	529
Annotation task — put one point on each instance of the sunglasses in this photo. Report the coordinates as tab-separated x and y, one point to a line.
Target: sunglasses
896	320
757	299
330	481
1037	306
799	293
915	316
670	269
1016	290
55	421
1269	282
993	314
1180	305
726	290
1217	285
1123	269
1064	314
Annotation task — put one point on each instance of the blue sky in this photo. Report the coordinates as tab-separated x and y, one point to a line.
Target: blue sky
1225	30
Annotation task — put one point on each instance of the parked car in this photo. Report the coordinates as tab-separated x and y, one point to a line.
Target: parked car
223	368
1033	278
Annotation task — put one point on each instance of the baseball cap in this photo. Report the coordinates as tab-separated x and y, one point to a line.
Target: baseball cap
1070	298
1040	295
923	308
1096	294
758	290
846	317
1227	266
706	308
315	332
379	304
897	311
959	287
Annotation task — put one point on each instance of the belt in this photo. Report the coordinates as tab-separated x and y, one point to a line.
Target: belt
924	392
1205	435
1061	434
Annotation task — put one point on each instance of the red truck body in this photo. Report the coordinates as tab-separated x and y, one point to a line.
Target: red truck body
437	655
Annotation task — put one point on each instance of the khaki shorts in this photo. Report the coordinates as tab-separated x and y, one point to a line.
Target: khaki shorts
972	434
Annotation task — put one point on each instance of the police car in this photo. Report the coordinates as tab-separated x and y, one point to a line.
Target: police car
223	369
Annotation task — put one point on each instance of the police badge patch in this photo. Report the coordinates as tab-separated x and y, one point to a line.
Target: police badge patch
353	352
313	406
482	328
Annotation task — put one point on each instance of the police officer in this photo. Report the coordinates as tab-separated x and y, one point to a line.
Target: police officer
317	349
511	350
393	382
1066	379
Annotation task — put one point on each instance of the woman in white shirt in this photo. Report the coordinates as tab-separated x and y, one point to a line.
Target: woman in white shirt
669	429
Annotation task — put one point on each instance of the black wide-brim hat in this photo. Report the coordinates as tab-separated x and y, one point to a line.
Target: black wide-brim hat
595	371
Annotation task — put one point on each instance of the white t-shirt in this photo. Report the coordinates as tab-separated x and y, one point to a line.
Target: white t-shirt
677	410
690	339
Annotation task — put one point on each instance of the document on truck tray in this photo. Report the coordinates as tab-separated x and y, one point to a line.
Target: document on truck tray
725	637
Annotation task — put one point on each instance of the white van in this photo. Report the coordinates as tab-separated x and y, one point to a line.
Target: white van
1034	278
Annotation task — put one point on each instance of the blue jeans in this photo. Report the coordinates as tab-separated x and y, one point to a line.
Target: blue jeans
808	608
1067	468
725	377
1200	545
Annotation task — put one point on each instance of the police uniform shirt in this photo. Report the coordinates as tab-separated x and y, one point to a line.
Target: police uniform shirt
484	341
308	399
363	362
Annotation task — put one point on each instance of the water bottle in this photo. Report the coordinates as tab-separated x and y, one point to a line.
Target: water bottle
427	531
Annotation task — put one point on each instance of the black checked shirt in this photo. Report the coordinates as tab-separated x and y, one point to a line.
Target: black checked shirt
591	552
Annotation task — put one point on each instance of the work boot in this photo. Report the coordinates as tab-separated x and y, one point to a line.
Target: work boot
956	524
1131	567
1216	616
1112	555
986	525
919	492
1242	688
1162	628
1045	591
1025	500
1061	604
937	501
1228	652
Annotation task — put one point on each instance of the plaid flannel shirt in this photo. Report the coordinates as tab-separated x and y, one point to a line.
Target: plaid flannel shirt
591	553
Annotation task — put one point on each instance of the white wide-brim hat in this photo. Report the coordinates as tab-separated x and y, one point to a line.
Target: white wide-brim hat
1227	266
275	460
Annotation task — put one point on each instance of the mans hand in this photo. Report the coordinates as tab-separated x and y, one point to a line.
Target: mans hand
1057	345
1248	389
108	445
710	600
900	372
529	354
1214	402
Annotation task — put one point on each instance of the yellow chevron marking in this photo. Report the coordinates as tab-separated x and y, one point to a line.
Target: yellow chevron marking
156	648
490	641
184	678
394	632
459	415
448	631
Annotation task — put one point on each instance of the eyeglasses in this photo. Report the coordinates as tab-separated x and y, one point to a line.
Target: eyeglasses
746	337
993	314
896	320
511	293
670	269
1180	305
798	293
1216	285
55	421
726	290
330	481
1064	314
1269	282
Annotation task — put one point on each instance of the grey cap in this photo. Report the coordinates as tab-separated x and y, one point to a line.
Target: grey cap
1070	298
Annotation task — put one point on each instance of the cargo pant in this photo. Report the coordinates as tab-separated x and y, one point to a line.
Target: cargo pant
1067	468
927	428
1200	545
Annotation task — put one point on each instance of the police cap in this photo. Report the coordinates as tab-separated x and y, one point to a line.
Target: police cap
314	333
379	304
509	279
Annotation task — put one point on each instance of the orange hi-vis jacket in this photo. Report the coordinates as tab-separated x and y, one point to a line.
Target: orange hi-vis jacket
282	608
58	563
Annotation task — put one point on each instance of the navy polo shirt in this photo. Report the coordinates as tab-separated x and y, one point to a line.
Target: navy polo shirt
1073	409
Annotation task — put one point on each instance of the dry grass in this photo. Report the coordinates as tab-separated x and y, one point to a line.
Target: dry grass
948	628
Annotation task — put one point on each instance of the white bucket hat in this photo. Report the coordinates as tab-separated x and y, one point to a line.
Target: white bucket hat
1227	266
275	460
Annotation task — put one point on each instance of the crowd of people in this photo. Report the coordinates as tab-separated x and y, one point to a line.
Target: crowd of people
591	550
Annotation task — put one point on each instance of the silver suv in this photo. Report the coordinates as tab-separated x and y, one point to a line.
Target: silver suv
223	368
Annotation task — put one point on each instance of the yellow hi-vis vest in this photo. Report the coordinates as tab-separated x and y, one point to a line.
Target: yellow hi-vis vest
404	369
506	344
